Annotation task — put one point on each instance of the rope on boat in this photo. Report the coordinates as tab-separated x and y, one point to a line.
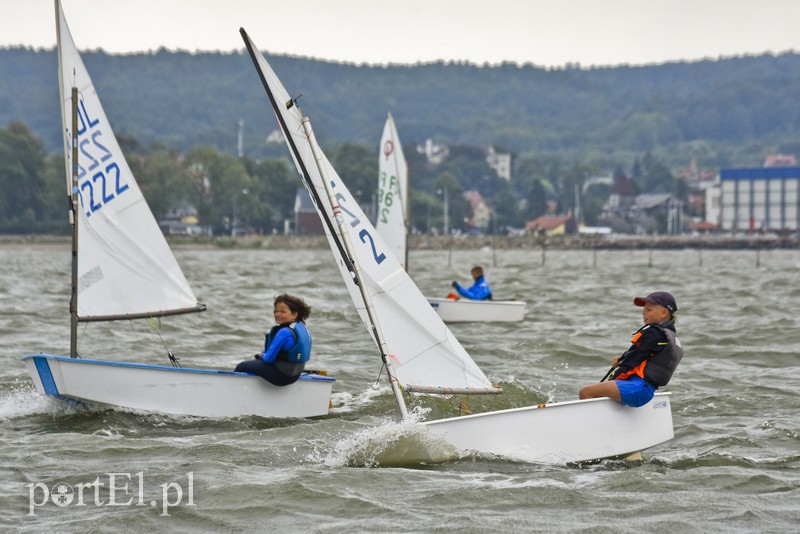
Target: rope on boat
155	324
462	405
380	372
80	339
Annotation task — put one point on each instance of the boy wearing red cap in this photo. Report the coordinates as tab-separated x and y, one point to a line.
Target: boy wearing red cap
654	354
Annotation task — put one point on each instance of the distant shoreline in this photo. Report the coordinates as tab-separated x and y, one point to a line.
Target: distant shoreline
468	242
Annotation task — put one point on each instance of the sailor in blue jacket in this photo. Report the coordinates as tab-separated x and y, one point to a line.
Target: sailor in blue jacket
479	290
287	347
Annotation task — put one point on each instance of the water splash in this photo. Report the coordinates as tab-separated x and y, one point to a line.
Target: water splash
391	444
347	402
20	400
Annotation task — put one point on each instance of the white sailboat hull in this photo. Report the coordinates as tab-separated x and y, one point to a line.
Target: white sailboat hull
565	432
468	311
180	391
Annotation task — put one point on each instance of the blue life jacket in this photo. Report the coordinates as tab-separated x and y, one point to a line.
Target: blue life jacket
297	353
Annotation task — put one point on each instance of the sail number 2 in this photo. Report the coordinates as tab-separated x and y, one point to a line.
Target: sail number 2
364	234
100	177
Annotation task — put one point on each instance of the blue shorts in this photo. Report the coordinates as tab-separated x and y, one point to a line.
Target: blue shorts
635	391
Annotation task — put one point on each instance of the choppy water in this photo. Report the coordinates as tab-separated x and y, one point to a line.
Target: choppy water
734	465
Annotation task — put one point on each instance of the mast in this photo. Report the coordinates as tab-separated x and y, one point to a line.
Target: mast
71	175
337	213
73	219
404	200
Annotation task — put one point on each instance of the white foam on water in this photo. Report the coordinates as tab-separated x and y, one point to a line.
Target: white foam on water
346	402
22	400
390	444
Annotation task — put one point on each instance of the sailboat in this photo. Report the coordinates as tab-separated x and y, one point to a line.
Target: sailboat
463	310
123	269
392	224
418	351
392	218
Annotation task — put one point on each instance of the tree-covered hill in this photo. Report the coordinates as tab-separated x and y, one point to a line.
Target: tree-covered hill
723	112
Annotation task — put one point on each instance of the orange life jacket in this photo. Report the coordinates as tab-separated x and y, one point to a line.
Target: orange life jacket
657	368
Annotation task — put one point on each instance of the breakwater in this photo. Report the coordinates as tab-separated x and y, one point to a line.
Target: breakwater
468	242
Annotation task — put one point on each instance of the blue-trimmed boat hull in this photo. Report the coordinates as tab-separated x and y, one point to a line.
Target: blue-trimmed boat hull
174	390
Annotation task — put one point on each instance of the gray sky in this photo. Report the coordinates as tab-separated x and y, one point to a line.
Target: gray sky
542	32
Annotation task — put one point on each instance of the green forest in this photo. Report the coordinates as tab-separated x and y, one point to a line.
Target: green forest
173	110
260	194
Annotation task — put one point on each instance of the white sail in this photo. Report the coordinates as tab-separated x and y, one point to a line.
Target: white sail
392	192
425	355
125	267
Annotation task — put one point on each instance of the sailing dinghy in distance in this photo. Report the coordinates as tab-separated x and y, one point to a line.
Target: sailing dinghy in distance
392	223
418	350
473	311
123	269
392	218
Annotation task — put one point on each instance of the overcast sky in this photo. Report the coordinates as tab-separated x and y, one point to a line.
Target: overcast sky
542	32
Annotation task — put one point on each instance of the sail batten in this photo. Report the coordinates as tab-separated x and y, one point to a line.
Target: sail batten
431	357
124	266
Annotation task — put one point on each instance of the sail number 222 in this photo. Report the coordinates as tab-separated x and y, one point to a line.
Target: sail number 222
99	176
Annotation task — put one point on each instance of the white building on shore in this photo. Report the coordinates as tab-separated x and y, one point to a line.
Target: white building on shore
756	199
